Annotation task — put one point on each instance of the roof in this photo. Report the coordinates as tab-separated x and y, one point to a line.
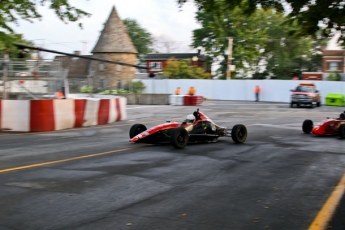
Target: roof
114	37
77	67
167	56
333	53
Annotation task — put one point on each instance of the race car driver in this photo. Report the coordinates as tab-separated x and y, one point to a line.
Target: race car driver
190	119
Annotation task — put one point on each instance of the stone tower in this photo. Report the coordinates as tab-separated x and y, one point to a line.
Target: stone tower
113	44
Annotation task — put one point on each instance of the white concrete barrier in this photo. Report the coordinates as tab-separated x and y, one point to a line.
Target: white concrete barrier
15	115
64	114
243	90
49	115
91	112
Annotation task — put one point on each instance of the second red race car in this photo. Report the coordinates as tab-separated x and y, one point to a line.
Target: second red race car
329	126
197	128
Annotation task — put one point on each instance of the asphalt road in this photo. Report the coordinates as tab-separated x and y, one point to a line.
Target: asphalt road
93	178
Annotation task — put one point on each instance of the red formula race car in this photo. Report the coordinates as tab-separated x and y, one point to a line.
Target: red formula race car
197	128
330	126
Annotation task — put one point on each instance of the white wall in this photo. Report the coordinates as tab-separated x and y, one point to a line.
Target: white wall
271	90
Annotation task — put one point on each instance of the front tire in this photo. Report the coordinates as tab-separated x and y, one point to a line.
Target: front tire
179	138
341	131
307	126
239	133
136	129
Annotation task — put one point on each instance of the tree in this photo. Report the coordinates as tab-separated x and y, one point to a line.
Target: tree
9	39
11	11
181	69
261	42
310	15
165	44
141	38
250	35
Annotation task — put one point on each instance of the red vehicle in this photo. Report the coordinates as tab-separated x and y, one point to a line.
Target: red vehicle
330	126
198	130
305	94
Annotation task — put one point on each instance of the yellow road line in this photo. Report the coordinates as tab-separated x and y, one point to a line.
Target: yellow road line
65	160
325	214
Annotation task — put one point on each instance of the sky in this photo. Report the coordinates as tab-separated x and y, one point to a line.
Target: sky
162	18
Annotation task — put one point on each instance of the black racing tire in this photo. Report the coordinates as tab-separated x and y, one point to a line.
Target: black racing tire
136	129
298	105
341	131
179	138
307	126
318	104
239	133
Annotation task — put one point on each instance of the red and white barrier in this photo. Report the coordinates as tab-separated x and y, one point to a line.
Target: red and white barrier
185	100
49	115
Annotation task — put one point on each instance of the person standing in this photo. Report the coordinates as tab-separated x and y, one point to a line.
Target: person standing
178	91
257	92
191	91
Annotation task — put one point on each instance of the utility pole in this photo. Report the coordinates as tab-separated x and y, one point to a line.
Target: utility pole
228	72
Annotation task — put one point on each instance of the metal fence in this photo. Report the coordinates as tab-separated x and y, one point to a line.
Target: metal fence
30	79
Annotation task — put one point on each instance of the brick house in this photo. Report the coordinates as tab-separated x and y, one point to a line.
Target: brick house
332	62
156	62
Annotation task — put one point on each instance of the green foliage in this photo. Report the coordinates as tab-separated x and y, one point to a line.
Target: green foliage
119	91
138	86
334	76
7	40
86	89
260	42
134	87
11	11
140	37
181	69
308	16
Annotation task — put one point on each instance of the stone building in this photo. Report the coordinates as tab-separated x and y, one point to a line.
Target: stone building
113	44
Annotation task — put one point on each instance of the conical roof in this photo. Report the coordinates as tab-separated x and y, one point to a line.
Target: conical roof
114	37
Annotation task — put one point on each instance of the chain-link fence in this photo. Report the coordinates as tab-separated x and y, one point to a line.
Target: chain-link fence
30	79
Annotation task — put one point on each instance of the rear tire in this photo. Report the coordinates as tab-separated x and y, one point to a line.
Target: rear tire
318	104
239	133
179	138
341	131
136	129
307	126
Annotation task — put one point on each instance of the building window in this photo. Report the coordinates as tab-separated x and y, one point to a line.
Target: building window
155	65
101	66
103	84
119	84
333	66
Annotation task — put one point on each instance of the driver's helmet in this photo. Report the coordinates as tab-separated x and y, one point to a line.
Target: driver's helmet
190	119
